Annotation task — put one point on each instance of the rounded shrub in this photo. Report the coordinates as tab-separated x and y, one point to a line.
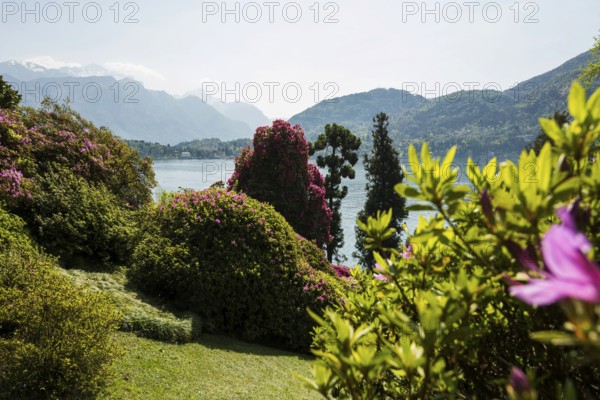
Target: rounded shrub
236	262
55	338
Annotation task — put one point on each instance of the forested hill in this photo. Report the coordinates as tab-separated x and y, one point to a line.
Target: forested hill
478	121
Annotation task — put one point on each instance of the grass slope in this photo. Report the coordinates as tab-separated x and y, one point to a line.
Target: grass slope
214	368
203	367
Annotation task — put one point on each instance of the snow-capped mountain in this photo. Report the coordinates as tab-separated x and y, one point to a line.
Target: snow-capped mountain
27	70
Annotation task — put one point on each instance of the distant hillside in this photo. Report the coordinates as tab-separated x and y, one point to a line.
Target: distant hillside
356	111
478	121
125	106
243	112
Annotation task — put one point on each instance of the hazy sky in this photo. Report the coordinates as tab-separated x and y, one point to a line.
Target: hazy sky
285	56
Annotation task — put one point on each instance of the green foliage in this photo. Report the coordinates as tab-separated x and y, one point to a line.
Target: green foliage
9	98
145	316
235	262
561	118
74	218
157	328
55	338
34	141
591	71
383	173
336	139
438	322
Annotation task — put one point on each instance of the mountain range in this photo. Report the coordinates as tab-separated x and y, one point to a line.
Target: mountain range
478	121
128	108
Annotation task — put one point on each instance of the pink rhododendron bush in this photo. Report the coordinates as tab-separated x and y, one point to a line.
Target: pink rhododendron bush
495	296
277	172
73	183
237	263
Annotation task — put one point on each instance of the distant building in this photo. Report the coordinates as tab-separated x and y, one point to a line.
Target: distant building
186	155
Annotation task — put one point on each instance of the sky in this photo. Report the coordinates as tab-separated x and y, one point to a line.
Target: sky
286	56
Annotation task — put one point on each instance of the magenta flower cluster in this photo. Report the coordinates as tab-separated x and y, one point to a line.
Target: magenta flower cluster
315	285
341	271
11	181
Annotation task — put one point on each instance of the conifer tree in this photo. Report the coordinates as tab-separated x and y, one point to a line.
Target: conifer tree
384	172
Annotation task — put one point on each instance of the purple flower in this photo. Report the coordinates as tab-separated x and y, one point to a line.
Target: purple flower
218	221
518	381
380	277
408	253
570	274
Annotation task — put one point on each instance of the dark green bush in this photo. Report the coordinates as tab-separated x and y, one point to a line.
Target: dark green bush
55	338
72	217
235	262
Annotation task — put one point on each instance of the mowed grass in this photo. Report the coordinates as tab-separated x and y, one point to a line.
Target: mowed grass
204	367
214	368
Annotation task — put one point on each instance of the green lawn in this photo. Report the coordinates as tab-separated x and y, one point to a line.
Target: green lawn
209	367
215	368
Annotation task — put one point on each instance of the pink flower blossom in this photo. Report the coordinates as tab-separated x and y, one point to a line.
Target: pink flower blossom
570	274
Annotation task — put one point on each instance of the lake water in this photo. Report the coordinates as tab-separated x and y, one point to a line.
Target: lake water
200	174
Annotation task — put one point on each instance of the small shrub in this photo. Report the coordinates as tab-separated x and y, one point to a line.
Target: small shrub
236	262
55	338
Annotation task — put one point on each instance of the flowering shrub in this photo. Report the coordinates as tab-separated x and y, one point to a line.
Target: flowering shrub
341	271
33	140
35	144
236	262
277	172
55	338
456	315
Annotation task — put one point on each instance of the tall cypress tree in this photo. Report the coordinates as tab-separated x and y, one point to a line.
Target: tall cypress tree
340	145
383	170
